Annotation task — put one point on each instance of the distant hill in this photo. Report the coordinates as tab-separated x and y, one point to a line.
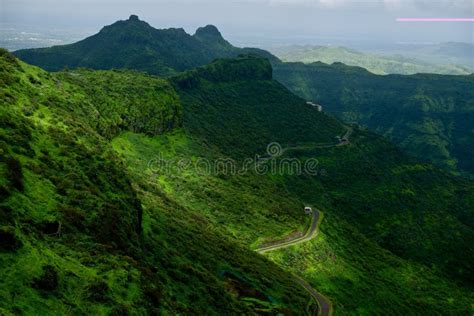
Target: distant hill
453	53
134	44
264	112
377	64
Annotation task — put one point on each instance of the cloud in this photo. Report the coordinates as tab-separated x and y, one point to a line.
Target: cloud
466	5
429	5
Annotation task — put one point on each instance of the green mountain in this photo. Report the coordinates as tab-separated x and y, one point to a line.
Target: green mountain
134	44
128	193
377	64
263	111
430	116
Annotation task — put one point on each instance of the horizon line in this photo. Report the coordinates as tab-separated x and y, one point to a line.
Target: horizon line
435	19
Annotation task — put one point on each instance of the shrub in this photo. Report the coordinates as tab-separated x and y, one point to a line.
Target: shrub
120	310
8	239
98	291
9	57
15	174
48	281
4	193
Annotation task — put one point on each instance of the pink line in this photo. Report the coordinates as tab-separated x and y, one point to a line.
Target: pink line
435	20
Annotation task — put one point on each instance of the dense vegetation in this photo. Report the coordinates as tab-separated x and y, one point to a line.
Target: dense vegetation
105	196
80	234
377	64
356	273
428	115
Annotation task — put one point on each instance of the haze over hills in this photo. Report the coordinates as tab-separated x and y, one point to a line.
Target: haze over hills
457	53
377	64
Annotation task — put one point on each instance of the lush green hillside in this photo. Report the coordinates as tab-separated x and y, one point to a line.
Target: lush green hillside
80	234
134	44
404	211
147	227
377	64
356	273
428	115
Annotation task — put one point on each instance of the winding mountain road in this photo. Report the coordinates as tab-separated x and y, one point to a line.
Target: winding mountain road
310	234
344	140
325	305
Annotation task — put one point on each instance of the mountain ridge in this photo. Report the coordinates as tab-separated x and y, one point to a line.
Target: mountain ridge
134	44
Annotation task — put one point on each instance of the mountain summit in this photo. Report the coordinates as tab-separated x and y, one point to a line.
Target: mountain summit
208	31
133	17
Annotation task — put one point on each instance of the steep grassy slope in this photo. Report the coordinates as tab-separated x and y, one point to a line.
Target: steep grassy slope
80	234
428	115
362	279
134	44
413	210
377	64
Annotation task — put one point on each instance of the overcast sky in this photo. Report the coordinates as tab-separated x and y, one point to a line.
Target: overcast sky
260	21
